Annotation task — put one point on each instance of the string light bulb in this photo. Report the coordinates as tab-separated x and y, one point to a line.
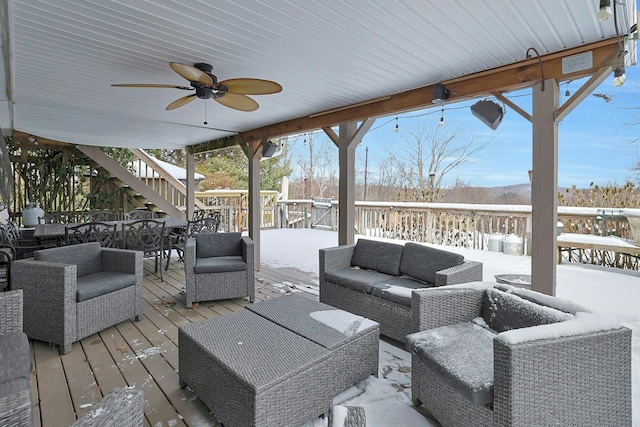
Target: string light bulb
619	76
441	123
305	140
397	127
605	10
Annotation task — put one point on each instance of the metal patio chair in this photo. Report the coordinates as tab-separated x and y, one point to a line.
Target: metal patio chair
101	232
148	236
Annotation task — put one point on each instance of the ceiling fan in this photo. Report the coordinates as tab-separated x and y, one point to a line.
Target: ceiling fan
231	93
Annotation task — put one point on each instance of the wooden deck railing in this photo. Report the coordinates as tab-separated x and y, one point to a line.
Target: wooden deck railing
462	225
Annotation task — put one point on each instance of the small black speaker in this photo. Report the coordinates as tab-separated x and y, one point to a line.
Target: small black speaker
488	112
269	148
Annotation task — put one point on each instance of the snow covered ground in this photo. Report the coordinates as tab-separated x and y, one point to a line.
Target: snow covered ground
387	399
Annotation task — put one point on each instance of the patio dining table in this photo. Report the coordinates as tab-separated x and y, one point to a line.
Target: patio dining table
58	230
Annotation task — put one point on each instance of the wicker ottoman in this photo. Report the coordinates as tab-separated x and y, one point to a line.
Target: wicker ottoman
277	363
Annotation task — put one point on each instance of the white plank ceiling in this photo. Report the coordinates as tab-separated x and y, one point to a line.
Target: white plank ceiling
61	56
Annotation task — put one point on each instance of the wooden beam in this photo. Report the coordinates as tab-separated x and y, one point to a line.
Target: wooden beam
503	79
584	91
512	105
332	135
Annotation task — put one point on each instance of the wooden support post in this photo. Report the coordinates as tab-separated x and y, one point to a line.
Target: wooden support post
349	137
254	153
544	187
191	184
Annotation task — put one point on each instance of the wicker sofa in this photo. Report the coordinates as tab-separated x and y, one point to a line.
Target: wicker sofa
74	291
375	279
495	355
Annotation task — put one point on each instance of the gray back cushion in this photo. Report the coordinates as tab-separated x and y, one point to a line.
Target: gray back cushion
218	244
374	255
423	262
86	256
503	311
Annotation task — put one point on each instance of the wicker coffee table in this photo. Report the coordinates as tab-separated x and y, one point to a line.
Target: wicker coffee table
276	363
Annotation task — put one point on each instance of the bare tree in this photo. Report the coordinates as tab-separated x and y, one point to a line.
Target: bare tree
427	155
318	164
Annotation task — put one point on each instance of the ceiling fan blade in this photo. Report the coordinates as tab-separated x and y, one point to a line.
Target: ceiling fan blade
191	73
152	85
251	86
181	101
237	102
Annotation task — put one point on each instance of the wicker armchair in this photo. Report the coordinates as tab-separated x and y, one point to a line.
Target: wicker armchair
15	365
494	355
178	238
219	266
74	291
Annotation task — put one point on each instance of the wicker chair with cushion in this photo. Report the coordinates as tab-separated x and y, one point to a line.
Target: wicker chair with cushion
219	266
91	232
178	238
495	355
15	364
74	291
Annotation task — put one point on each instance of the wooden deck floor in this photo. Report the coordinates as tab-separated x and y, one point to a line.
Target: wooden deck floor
144	354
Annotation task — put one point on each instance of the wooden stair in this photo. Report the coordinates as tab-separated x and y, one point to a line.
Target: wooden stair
141	193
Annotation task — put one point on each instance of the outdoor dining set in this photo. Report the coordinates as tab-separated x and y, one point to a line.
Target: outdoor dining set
482	353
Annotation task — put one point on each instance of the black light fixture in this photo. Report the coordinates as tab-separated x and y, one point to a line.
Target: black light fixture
440	93
488	112
605	10
269	148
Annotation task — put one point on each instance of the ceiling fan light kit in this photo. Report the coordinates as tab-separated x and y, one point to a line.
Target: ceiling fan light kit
231	93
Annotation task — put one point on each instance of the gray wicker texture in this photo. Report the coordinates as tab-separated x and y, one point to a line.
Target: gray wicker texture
51	311
251	371
15	407
122	407
394	318
223	285
575	380
355	417
355	355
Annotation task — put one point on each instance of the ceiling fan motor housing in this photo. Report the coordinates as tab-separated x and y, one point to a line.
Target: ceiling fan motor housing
203	92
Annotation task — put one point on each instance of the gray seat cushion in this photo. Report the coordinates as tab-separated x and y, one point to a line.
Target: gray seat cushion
462	354
86	256
218	244
102	283
14	357
397	289
423	262
374	255
356	278
504	311
221	264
